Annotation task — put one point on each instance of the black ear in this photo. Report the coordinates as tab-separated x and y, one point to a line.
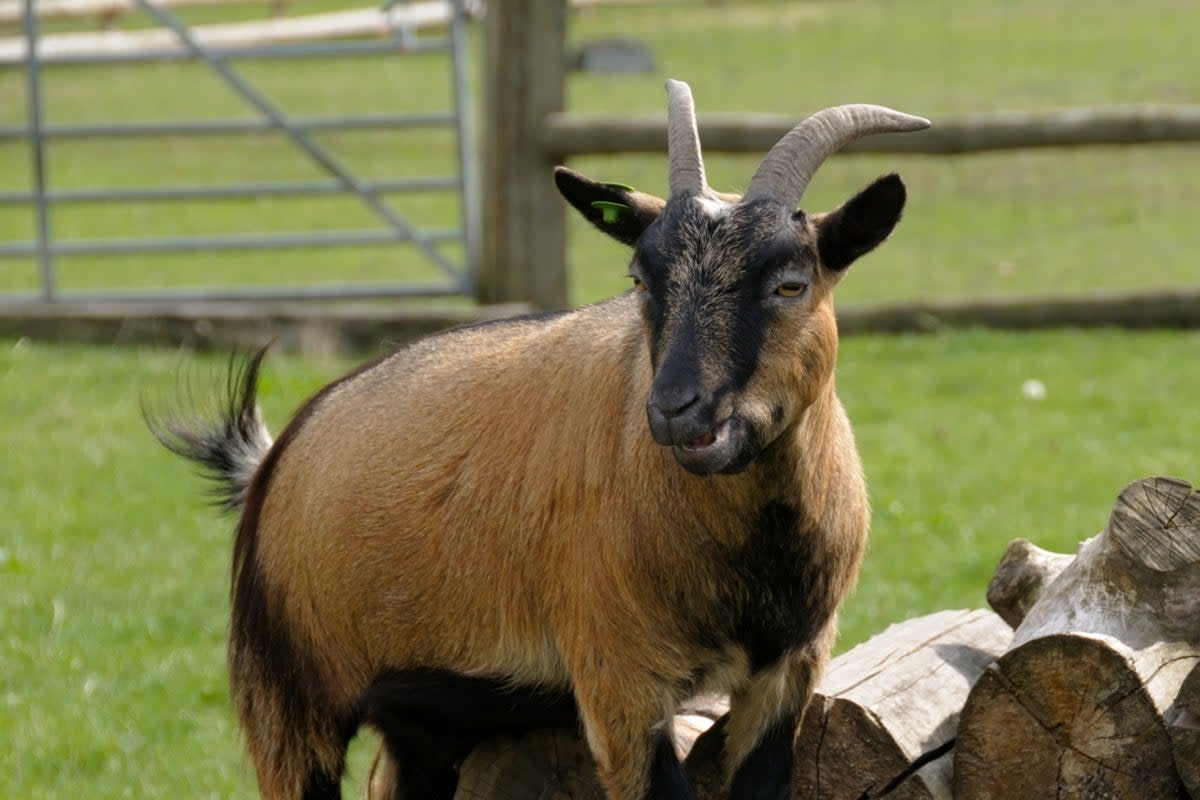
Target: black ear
617	210
860	224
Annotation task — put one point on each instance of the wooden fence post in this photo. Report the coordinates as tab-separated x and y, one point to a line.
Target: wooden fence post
523	256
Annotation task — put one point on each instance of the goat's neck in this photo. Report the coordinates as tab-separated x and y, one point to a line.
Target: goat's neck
788	471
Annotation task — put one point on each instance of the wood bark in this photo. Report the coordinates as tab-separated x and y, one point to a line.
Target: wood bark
1138	580
1185	732
1079	704
523	253
1022	575
570	133
1143	309
883	721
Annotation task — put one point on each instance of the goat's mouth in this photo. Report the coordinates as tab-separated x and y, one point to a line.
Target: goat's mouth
727	448
708	440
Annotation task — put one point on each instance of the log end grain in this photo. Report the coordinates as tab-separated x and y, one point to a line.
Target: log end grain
1066	715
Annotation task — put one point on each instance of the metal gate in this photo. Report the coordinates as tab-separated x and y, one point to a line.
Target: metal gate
394	228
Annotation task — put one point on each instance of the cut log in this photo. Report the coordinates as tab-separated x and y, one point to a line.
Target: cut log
1072	715
1185	732
1078	706
1138	580
884	718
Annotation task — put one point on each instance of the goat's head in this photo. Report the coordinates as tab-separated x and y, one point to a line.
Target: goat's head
735	292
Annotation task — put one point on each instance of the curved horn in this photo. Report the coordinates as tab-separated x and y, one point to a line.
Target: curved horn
686	168
786	170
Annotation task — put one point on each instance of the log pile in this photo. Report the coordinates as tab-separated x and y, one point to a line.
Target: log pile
1083	683
1084	703
883	721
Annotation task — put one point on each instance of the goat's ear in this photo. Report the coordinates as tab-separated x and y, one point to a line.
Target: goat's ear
860	224
618	210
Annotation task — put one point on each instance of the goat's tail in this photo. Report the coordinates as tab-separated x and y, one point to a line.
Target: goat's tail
228	444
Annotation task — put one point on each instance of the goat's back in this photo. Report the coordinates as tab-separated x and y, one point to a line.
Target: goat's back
501	444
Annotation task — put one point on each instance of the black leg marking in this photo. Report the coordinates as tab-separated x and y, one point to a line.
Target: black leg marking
459	702
668	781
766	774
321	786
430	720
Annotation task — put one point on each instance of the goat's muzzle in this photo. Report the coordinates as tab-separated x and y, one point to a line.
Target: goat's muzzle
683	419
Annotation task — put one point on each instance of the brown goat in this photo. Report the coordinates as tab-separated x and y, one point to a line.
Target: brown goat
480	532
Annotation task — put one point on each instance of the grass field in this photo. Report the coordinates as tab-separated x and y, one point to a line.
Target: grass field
113	571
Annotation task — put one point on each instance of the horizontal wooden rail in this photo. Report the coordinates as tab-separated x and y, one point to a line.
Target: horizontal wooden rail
1166	308
571	134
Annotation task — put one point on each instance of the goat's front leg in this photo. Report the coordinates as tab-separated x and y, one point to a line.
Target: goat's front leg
629	735
763	718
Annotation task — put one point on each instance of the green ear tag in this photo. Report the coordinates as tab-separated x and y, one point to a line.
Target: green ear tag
621	187
611	211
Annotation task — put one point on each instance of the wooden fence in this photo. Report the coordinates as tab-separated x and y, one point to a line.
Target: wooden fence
524	250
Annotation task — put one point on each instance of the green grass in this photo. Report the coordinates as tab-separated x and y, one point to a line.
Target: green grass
1052	221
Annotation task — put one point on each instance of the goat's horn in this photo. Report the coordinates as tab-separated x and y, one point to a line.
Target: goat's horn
686	167
786	170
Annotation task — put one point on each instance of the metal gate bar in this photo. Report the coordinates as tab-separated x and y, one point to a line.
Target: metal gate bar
469	194
230	191
300	138
230	126
33	91
222	242
260	53
369	191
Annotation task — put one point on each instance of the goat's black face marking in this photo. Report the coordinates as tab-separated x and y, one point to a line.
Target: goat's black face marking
711	274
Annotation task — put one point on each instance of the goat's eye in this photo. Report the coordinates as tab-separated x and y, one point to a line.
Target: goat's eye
791	289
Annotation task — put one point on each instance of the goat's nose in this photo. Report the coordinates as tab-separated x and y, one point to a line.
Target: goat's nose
673	398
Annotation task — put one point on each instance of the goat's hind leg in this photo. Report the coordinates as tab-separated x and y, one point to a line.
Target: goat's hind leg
431	719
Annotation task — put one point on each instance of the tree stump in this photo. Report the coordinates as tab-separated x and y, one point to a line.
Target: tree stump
1077	707
883	720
